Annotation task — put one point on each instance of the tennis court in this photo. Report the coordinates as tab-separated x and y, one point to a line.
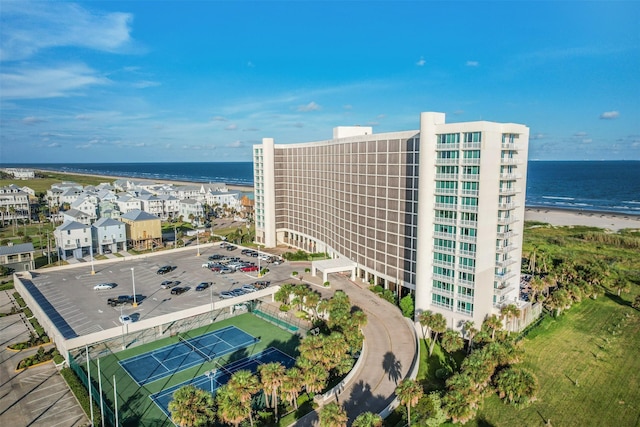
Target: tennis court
210	381
184	354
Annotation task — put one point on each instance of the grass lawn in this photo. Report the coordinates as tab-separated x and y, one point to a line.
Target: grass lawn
588	366
135	407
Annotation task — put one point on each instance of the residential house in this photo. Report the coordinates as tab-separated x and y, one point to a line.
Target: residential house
109	235
73	240
151	204
190	210
170	206
14	203
127	203
18	257
144	230
77	216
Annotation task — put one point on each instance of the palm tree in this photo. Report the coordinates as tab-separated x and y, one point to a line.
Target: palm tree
409	393
192	407
451	341
291	386
621	285
230	409
244	385
333	415
315	376
271	375
510	311
516	385
459	407
367	419
438	324
470	331
424	319
558	301
493	324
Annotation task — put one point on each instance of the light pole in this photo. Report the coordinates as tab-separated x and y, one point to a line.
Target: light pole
211	374
93	271
123	344
198	241
259	256
133	280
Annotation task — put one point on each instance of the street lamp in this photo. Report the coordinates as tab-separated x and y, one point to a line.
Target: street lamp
198	241
133	280
211	374
259	256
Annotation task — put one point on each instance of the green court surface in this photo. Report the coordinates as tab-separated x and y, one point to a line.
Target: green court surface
134	405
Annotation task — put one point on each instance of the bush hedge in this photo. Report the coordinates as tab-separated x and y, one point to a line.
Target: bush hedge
81	393
39	357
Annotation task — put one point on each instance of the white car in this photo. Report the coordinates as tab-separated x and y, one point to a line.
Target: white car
103	286
124	319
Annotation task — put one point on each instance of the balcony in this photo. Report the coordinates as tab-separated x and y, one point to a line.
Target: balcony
473	193
466	268
505	263
442	278
444	264
500	291
467	254
510	176
447	221
507	206
506	234
462	297
466	283
447	191
442	235
469	239
473	162
508	191
469	208
468	223
510	146
445	146
505	249
447	176
471	145
446	206
471	177
510	161
444	250
446	161
508	220
502	278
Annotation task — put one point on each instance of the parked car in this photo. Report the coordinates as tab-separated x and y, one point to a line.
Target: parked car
249	268
120	300
165	269
261	284
103	286
202	286
226	295
278	261
237	292
249	288
231	248
168	284
179	290
225	270
124	319
215	257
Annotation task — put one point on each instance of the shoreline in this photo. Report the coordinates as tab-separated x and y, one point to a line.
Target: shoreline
614	221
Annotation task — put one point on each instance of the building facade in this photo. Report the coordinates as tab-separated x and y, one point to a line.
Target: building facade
436	211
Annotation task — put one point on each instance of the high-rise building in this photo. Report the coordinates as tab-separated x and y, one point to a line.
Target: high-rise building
438	210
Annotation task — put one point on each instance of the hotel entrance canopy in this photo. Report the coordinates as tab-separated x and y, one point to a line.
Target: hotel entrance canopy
335	265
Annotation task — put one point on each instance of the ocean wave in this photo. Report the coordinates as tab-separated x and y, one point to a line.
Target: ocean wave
558	197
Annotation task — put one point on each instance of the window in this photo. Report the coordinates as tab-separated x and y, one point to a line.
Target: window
465	231
445	214
441	228
468	247
441	300
444	271
469	277
442	286
471	170
447	169
469	201
444	243
473	137
448	138
437	256
450	154
464	291
465	307
466	262
453	185
471	154
452	200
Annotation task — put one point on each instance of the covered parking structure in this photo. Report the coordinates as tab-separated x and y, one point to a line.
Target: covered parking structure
335	265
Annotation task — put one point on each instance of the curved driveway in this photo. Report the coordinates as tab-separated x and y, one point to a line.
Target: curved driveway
390	351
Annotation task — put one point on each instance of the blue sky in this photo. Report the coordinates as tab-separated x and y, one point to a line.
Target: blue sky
158	81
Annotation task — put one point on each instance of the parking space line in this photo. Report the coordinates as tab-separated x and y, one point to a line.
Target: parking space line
48	394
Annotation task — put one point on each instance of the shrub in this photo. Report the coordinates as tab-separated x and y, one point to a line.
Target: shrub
326	284
294	273
79	390
284	307
307	270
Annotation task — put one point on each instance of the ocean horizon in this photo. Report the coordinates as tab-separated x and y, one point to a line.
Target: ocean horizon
608	186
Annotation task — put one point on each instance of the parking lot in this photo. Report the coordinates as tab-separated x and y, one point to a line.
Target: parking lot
83	310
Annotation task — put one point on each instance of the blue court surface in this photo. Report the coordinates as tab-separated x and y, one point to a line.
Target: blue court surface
220	376
165	361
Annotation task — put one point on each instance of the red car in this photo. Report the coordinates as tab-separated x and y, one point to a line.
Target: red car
249	268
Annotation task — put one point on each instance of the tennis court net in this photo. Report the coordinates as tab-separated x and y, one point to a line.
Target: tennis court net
194	348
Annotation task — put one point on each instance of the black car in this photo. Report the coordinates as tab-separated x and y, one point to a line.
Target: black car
202	286
165	269
179	290
215	257
120	300
231	248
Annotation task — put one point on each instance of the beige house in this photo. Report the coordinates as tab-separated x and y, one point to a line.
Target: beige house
144	230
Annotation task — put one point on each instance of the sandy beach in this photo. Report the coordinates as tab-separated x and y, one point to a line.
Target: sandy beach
563	217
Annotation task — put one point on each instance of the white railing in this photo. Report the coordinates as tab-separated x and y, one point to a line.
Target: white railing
471	145
442	161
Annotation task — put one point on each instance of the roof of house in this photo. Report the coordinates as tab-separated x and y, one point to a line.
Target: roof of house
16	249
138	215
106	222
72	225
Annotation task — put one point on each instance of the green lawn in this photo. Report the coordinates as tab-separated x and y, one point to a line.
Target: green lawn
135	407
588	366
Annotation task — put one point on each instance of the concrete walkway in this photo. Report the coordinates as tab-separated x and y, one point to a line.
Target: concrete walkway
36	396
391	348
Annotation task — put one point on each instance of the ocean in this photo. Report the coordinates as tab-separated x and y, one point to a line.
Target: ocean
608	186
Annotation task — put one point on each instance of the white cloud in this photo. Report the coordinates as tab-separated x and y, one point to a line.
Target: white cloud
32	120
232	126
38	83
54	145
29	27
312	106
609	115
235	144
218	119
421	62
473	63
538	135
580	134
145	84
